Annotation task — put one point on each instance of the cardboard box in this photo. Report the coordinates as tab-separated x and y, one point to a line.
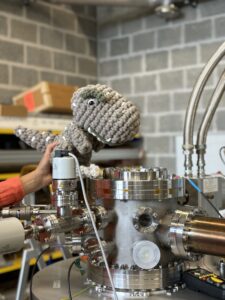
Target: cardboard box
47	97
13	110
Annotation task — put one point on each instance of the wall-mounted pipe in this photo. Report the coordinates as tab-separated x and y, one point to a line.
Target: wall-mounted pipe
137	3
206	122
193	105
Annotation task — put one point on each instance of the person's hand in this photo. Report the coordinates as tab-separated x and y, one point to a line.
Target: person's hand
43	169
41	176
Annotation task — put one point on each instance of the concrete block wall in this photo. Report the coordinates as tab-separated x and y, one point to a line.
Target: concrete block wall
155	63
45	42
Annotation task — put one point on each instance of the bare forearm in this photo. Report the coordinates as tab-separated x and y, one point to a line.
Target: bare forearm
32	182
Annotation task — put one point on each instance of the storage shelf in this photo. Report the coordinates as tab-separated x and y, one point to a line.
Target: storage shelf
22	157
15	264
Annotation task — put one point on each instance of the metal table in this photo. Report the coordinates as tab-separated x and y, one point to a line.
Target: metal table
51	283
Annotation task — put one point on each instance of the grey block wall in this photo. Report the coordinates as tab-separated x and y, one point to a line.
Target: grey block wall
45	42
158	63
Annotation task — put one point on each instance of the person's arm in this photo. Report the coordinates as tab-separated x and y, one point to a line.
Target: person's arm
41	176
13	190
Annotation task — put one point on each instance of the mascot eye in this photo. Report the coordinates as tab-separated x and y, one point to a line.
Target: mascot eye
92	102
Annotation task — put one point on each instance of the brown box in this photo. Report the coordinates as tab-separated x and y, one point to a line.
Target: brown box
13	110
47	97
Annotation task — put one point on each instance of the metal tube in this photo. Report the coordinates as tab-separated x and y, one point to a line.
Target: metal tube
205	235
193	105
139	3
206	122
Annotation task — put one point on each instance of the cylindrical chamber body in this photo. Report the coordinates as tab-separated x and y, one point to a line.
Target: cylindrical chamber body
139	200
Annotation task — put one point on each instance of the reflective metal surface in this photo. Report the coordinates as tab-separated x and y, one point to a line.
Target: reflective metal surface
137	279
51	284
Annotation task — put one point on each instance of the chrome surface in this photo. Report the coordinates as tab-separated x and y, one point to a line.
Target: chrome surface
145	220
136	184
193	105
176	233
51	283
138	279
206	122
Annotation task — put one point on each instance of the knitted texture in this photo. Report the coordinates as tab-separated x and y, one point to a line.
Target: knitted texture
100	116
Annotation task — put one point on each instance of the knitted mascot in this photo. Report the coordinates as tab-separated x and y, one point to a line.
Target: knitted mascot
100	116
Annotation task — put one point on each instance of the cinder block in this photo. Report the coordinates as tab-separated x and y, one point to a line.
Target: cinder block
108	32
51	37
6	95
76	80
184	57
132	26
158	103
145	83
109	68
24	77
150	161
171	80
169	36
92	48
157	145
52	77
148	124
192	76
11	51
3	25
219	26
171	123
157	60
181	100
122	85
38	57
75	44
119	46
91	11
153	21
169	163
12	7
24	30
39	12
87	27
143	41
4	73
132	64
64	62
87	66
63	19
198	31
212	8
207	50
102	49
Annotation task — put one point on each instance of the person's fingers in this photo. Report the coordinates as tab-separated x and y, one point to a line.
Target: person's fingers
50	148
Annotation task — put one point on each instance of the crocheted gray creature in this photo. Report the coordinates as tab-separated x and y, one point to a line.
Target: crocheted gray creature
100	116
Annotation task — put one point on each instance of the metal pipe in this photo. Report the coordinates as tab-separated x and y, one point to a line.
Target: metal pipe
137	3
193	105
205	235
206	122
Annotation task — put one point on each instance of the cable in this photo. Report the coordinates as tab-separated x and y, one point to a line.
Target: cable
68	279
33	270
220	153
94	226
197	188
35	266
